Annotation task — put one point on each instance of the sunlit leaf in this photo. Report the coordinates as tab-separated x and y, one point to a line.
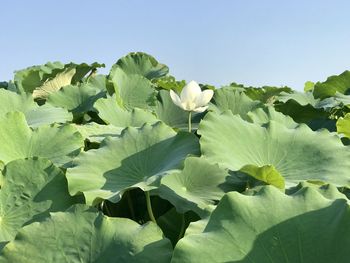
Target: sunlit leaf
196	187
271	227
84	235
138	158
297	154
30	188
60	144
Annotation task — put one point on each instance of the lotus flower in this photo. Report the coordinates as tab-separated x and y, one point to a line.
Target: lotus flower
192	98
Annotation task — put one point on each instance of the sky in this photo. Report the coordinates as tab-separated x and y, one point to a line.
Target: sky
252	42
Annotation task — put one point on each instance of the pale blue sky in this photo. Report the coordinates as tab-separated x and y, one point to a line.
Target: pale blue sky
216	42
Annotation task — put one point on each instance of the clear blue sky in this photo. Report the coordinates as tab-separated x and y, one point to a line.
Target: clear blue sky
215	42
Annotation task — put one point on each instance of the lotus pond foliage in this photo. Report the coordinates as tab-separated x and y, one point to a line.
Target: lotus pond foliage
137	166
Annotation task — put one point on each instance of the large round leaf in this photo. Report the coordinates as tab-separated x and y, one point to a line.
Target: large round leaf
297	154
62	79
111	113
133	90
77	99
333	84
264	115
35	115
272	227
265	94
97	133
196	187
57	143
53	75
302	98
29	188
141	64
32	77
83	235
169	82
138	158
131	77
230	98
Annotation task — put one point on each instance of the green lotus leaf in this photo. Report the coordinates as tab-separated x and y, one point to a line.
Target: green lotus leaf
97	133
328	191
77	99
342	99
338	100
300	113
303	107
309	86
229	98
29	188
302	98
343	125
35	77
47	114
83	69
197	227
34	114
271	227
131	77
32	77
60	144
264	115
62	79
98	81
173	115
297	154
267	174
133	90
138	158
333	84
265	94
195	188
84	235
140	64
111	113
169	82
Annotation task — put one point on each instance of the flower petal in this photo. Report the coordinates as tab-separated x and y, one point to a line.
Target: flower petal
188	105
176	99
204	98
200	109
190	92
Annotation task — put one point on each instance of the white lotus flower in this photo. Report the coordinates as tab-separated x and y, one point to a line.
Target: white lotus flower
192	98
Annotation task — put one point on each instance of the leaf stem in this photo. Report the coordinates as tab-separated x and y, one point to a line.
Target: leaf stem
149	207
189	121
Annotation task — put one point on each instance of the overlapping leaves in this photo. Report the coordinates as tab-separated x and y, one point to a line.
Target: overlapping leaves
272	227
28	189
35	115
106	139
50	77
82	234
60	144
138	158
297	154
